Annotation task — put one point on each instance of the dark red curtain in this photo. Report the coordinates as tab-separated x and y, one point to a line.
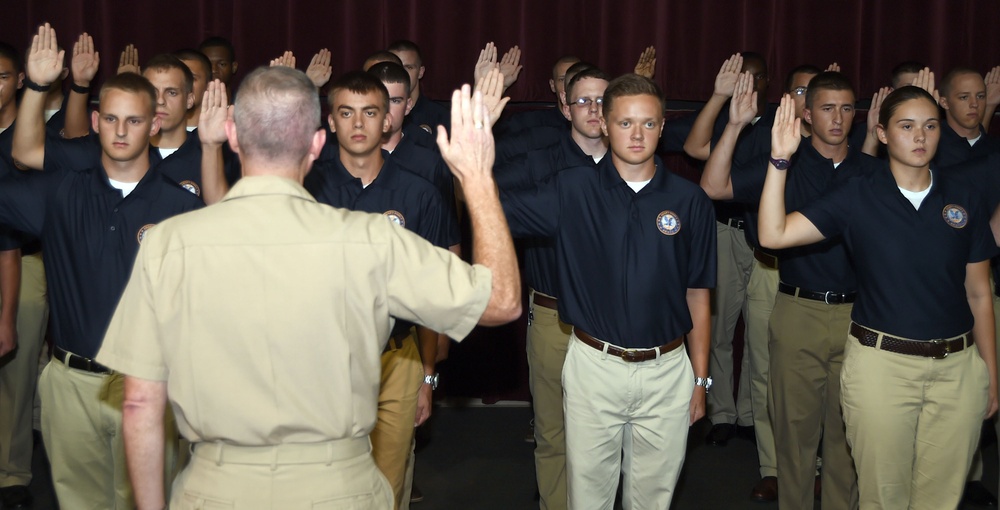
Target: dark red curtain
867	37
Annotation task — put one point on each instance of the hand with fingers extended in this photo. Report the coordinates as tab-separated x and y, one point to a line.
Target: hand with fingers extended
287	59
215	111
128	62
743	107
729	73
85	62
993	87
646	65
470	151
834	67
45	59
510	66
787	130
492	87
319	69
876	107
925	80
487	61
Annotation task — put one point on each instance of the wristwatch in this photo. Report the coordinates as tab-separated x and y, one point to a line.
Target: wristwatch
780	164
703	381
432	380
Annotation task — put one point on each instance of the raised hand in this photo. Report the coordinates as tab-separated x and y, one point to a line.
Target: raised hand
45	59
834	67
646	65
85	61
510	66
993	87
787	130
287	59
487	60
925	80
876	107
319	69
128	62
743	107
469	152
215	111
725	81
492	86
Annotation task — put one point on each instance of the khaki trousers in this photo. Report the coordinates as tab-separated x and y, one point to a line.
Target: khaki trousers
976	471
913	424
333	475
807	351
548	341
761	292
402	375
19	375
729	299
625	418
82	429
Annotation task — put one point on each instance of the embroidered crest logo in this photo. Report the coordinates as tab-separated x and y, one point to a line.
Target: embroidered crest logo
395	217
955	216
427	128
142	232
192	187
668	223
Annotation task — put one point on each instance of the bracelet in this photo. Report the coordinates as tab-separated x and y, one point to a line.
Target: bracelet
80	89
37	87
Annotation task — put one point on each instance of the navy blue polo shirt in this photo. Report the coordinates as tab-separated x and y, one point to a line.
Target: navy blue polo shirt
420	136
824	266
402	197
427	164
954	148
911	263
516	144
625	259
426	112
551	117
91	236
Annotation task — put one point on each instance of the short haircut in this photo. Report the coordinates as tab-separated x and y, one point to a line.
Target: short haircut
7	51
166	62
631	85
191	54
576	68
380	56
827	80
391	72
899	96
590	72
753	55
133	84
804	68
359	82
406	45
908	66
276	114
565	59
219	42
945	87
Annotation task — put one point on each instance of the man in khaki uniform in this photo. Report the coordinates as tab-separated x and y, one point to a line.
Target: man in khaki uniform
267	312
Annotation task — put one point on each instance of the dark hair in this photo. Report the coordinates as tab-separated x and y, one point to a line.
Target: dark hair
899	96
804	68
381	56
631	85
391	72
590	72
565	59
359	82
166	62
908	66
578	67
753	55
191	54
827	80
133	84
219	42
406	45
945	87
7	51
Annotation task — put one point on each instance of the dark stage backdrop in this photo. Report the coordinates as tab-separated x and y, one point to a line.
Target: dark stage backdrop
867	37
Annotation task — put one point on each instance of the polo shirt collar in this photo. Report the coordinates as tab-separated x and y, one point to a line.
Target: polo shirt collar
101	183
259	185
385	178
610	177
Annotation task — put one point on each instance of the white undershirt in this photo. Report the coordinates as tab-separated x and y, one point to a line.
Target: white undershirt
50	113
190	128
917	197
637	185
3	129
972	141
597	159
125	187
164	153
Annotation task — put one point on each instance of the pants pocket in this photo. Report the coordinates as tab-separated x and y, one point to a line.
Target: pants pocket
195	501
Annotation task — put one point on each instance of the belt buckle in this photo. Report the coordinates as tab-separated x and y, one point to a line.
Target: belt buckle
630	355
826	297
945	348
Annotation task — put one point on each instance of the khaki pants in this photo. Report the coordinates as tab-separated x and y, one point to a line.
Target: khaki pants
913	424
333	475
548	340
729	299
976	471
19	376
627	418
82	429
402	375
807	351
761	292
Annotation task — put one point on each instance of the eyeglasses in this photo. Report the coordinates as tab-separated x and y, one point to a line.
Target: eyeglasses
585	102
800	91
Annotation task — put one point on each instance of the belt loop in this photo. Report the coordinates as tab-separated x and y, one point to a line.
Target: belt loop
878	340
329	453
604	352
218	453
274	458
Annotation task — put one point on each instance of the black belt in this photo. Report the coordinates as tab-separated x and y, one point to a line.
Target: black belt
630	355
828	297
546	301
937	349
78	362
734	222
765	258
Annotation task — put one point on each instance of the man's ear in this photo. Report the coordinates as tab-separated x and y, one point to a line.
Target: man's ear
154	126
333	127
552	85
387	122
234	67
234	142
943	102
420	74
880	133
190	100
807	116
96	126
409	105
604	125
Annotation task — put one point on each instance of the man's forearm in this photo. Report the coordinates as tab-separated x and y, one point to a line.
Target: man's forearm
29	131
142	425
716	178
699	141
698	339
77	119
493	247
213	180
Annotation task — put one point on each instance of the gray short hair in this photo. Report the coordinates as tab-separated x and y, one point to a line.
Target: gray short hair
277	112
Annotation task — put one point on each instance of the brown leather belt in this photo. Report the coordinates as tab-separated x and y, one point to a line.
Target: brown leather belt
396	342
765	258
546	301
830	298
937	349
629	355
78	362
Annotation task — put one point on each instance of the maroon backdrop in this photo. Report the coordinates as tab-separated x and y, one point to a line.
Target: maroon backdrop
867	37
